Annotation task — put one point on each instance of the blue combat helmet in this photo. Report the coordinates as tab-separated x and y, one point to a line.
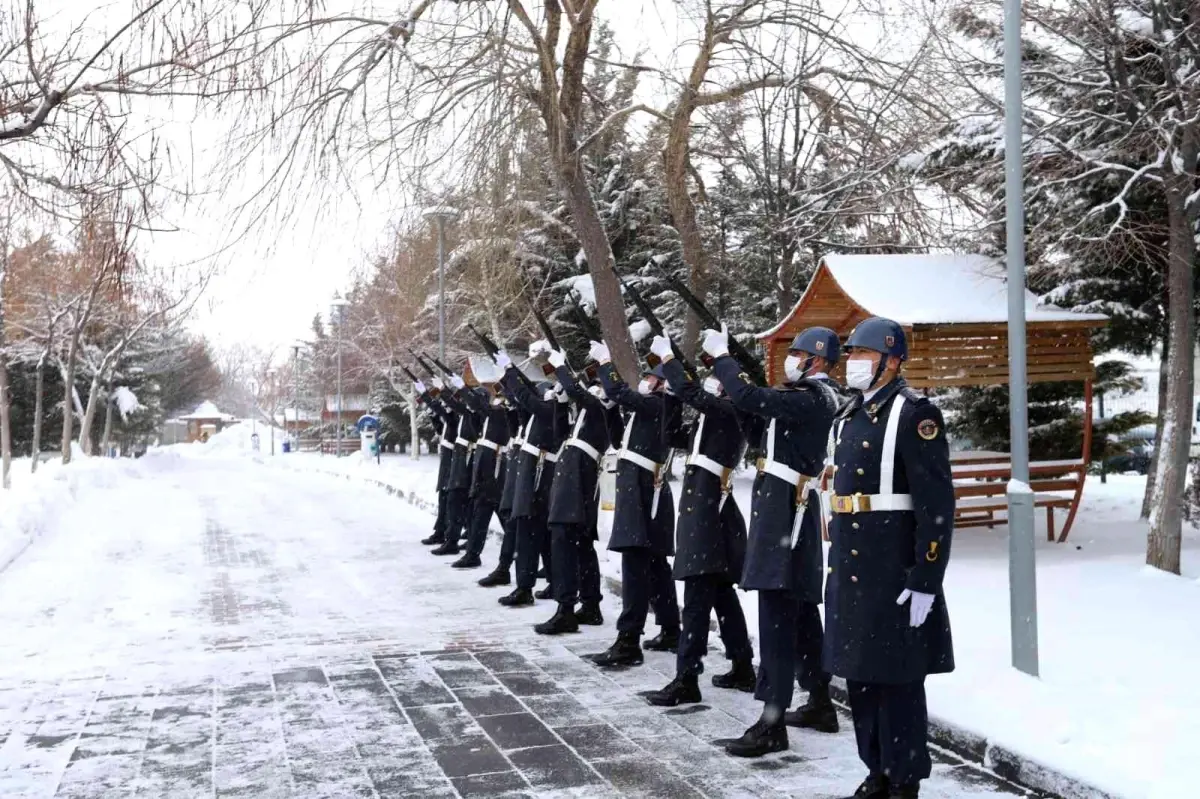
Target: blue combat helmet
819	341
880	335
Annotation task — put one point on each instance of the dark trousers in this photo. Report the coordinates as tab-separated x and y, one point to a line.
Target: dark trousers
439	524
575	568
645	582
458	510
477	527
810	639
532	539
508	544
779	648
890	726
702	595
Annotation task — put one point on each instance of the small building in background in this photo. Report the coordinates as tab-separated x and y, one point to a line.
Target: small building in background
205	422
295	420
353	406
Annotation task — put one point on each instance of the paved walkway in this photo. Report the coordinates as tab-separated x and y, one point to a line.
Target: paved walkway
219	628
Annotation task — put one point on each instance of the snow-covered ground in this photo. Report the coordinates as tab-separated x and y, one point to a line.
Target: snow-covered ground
197	624
1118	701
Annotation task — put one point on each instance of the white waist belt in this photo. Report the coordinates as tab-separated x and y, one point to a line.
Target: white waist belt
446	444
492	445
709	465
462	442
538	453
580	444
640	460
781	470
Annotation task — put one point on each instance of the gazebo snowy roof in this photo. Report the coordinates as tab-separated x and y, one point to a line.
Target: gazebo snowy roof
955	308
207	411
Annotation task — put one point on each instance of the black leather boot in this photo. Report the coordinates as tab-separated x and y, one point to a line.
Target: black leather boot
497	577
436	538
545	593
665	641
740	678
818	713
679	691
467	561
625	652
589	613
447	548
762	738
563	621
873	787
517	599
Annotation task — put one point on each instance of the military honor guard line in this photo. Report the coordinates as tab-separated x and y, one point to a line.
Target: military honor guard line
866	465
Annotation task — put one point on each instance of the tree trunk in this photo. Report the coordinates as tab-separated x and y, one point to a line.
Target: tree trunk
5	423
89	415
38	399
413	413
1164	541
108	420
610	307
683	217
69	397
1148	494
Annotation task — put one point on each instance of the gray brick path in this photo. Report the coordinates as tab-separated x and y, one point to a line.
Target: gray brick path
285	636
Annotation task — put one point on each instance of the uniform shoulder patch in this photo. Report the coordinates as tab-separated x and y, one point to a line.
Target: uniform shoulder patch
927	429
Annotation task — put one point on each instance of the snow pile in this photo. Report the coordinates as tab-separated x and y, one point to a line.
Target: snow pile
31	506
581	287
639	330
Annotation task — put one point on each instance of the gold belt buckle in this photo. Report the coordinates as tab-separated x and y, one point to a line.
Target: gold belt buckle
761	464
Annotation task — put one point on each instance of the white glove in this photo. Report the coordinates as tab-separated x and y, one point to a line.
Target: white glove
457	381
437	383
557	358
502	360
919	606
419	387
716	342
661	346
599	352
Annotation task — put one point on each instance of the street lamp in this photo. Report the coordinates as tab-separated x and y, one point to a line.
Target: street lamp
440	215
337	311
1022	567
295	397
273	387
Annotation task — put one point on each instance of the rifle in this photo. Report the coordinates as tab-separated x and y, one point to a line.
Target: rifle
449	372
656	326
743	356
544	324
491	348
424	364
411	376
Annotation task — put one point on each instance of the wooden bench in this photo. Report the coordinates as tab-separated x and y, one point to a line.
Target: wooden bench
981	482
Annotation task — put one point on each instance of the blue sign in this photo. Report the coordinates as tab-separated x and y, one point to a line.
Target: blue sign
367	422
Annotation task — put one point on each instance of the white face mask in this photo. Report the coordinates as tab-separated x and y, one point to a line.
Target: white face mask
645	388
860	373
713	386
549	395
792	367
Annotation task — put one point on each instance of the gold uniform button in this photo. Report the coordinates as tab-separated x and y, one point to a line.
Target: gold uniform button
854	552
829	570
860	471
853	578
866	445
854	525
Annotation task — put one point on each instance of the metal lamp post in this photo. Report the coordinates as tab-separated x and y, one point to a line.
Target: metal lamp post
1022	567
273	387
295	397
338	307
440	216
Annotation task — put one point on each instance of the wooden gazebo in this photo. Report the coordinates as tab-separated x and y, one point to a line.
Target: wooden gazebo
954	309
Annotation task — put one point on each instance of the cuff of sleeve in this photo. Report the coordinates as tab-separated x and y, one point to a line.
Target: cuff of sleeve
924	579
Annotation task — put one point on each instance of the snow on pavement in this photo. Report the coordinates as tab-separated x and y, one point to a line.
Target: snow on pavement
1117	705
200	626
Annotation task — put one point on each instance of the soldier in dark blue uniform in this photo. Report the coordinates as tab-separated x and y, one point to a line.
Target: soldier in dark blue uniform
710	538
887	627
486	470
458	485
784	556
574	504
518	419
643	520
545	433
449	424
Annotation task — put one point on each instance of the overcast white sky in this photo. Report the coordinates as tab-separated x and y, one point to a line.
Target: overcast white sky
271	285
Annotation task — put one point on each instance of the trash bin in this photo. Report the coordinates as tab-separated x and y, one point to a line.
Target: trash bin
287	447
